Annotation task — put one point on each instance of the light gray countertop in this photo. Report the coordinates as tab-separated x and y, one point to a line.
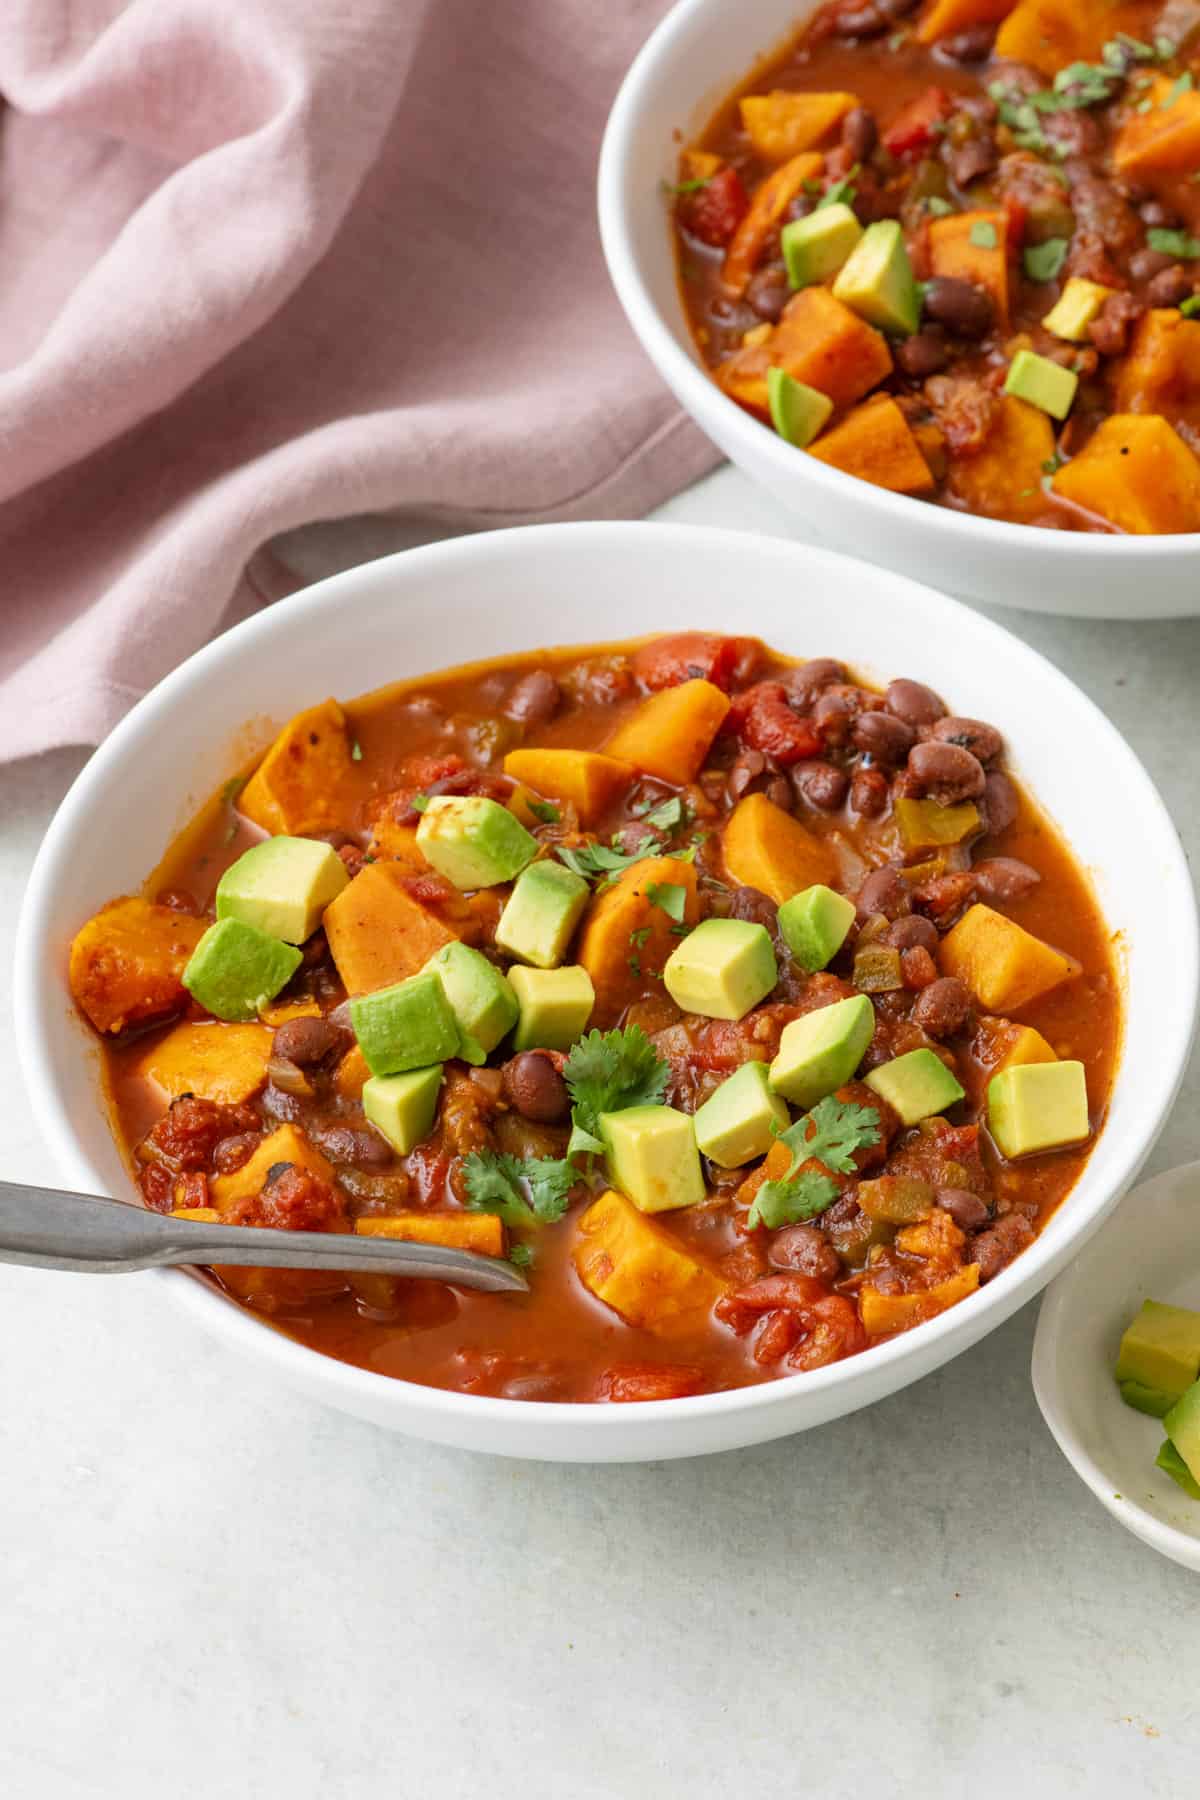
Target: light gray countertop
211	1587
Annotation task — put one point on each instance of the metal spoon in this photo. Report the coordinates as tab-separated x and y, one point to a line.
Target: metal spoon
45	1228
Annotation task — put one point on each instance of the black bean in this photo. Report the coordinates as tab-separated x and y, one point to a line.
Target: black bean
1004	878
883	737
779	792
869	792
966	163
884	891
999	801
969	46
913	702
821	784
357	1146
945	772
752	904
1170	288
308	1041
860	134
983	741
925	354
535	698
768	291
745	769
993	1250
967	1210
535	1087
1145	264
803	685
833	716
966	310
1153	212
804	1248
912	933
943	1007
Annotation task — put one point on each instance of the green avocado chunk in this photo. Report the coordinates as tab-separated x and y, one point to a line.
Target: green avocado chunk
877	281
916	1086
722	968
541	914
820	1052
402	1107
480	997
1161	1349
1038	1106
474	842
1044	384
798	412
815	923
407	1026
555	1006
651	1155
282	886
1172	1464
816	246
1182	1426
235	969
739	1121
1147	1399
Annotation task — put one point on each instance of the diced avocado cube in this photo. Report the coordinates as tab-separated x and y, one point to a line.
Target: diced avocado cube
1042	383
722	968
235	969
474	842
541	914
555	1006
480	997
877	282
651	1155
282	886
1161	1348
817	246
736	1123
815	923
916	1086
1075	308
1172	1464
1182	1426
402	1107
1149	1400
798	412
1038	1106
819	1052
407	1026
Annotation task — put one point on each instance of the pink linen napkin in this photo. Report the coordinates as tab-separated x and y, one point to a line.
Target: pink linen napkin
267	264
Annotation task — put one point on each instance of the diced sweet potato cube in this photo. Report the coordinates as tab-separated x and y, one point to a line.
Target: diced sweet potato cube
1003	1044
1003	480
767	210
391	842
875	443
783	123
281	1011
944	18
1163	140
226	1063
1049	34
698	165
1161	373
1136	472
483	1232
287	1144
351	1074
817	341
620	964
630	1263
378	933
937	1238
773	1167
671	733
973	246
766	848
583	778
127	963
281	1290
1004	965
884	1313
297	787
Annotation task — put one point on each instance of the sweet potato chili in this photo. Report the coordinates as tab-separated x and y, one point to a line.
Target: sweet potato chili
954	250
756	1013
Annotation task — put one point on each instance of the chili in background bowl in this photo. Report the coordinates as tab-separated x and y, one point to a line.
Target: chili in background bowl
703	51
494	594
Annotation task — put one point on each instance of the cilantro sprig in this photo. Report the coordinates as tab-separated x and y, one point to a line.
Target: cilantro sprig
520	1191
830	1134
604	860
606	1072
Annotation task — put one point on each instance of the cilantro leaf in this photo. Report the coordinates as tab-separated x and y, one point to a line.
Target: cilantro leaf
606	1072
521	1256
829	1134
843	192
518	1191
686	187
669	897
796	1197
939	207
592	860
1174	243
356	751
668	815
419	802
1043	261
542	810
1191	306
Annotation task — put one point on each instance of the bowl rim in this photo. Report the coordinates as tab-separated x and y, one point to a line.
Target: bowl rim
1181	1547
312	1368
694	385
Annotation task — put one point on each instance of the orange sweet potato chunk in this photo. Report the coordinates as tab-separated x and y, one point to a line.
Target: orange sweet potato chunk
582	778
784	123
1136	472
1003	480
295	789
483	1232
226	1063
351	1074
287	1144
942	18
127	963
981	257
1004	965
884	1313
766	848
671	733
768	205
1161	373
875	443
607	949
631	1264
1049	34
379	933
818	341
1163	140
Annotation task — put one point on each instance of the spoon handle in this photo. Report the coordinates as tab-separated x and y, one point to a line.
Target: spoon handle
46	1228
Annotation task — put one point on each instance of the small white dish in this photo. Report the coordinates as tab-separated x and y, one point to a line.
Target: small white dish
1149	1250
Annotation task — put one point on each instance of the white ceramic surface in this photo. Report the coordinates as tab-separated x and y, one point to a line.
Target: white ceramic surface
699	52
1149	1250
481	596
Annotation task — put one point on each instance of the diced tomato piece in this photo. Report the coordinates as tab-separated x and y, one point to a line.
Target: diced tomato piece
692	656
777	731
714	212
916	125
648	1381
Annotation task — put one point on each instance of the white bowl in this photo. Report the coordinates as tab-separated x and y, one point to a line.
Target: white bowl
481	596
702	49
1150	1250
